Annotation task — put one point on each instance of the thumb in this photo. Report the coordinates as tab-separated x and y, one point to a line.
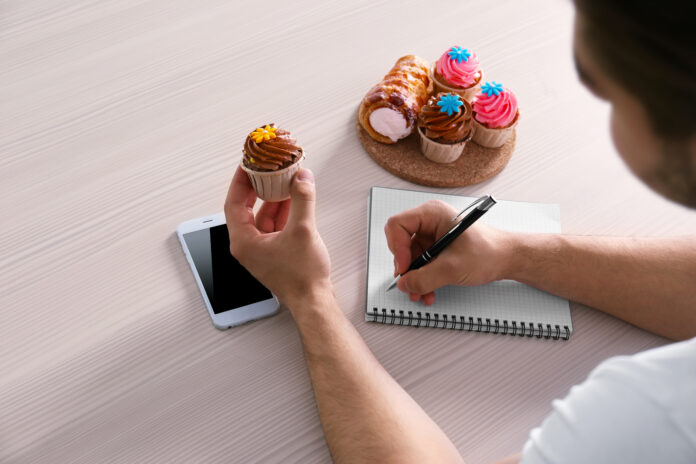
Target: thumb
426	279
302	196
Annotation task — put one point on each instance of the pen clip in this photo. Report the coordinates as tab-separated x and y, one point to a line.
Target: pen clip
471	205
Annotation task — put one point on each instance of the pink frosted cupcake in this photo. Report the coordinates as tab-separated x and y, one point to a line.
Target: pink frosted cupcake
495	115
458	71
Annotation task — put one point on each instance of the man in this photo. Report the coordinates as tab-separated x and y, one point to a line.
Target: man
634	409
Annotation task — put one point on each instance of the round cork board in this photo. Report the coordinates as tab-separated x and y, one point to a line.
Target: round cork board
404	159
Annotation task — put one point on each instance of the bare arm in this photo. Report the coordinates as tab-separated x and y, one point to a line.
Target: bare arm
650	283
366	415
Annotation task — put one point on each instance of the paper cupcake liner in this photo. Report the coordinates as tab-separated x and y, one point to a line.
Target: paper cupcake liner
273	185
467	94
492	138
441	152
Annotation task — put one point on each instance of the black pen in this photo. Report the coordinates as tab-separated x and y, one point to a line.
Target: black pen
483	204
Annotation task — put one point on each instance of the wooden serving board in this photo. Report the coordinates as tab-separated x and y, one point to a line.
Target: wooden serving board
404	159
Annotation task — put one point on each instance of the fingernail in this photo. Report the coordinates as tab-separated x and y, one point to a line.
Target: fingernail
396	268
305	175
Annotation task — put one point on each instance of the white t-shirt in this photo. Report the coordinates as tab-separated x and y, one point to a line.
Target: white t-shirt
634	409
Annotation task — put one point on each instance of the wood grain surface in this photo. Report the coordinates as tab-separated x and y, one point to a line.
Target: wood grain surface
119	120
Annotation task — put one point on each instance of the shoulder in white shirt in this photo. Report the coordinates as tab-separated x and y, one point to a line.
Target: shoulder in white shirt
635	409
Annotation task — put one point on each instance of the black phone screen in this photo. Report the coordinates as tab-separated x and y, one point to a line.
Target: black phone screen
226	282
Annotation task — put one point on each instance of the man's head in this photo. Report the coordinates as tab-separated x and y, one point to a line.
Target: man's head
640	57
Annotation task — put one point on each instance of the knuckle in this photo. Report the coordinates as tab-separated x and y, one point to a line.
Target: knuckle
304	190
416	286
449	267
435	203
444	207
302	230
390	224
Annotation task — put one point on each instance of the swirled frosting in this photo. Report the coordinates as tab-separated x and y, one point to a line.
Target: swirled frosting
273	154
495	110
459	72
442	127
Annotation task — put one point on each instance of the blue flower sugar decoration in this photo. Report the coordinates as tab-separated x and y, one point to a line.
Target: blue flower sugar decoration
449	104
492	88
460	54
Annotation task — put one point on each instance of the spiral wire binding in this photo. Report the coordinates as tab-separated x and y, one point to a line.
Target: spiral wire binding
495	326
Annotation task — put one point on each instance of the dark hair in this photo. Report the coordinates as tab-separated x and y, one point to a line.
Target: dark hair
649	48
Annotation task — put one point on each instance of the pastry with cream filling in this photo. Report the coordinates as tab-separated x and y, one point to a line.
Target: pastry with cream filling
389	111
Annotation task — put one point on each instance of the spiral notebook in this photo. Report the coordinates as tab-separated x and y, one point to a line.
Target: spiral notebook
505	307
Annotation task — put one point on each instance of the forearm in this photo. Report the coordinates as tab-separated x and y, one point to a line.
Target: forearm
650	283
366	415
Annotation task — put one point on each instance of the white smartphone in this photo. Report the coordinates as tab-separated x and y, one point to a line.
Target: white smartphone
231	294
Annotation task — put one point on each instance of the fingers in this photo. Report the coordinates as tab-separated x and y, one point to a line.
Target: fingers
428	299
272	216
404	259
266	216
426	279
240	193
422	220
302	198
239	208
282	215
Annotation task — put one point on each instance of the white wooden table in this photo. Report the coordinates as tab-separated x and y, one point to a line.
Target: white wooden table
119	120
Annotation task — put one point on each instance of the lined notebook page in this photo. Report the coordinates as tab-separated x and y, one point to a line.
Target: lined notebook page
504	300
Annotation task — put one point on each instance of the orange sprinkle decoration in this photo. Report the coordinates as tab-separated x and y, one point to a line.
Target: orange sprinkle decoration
263	134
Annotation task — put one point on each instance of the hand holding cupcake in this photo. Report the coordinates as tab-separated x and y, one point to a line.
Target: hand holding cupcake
495	115
271	159
458	71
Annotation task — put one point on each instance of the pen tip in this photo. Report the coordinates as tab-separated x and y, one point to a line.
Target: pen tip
393	284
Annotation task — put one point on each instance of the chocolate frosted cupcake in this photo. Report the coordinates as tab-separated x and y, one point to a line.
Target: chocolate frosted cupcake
271	159
444	127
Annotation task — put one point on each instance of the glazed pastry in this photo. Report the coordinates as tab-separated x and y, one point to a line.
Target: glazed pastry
495	115
458	71
389	110
445	125
271	157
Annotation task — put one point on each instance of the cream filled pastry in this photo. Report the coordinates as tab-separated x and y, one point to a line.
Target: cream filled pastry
389	110
390	123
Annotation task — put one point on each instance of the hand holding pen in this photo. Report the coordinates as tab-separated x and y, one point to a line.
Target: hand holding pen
475	258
